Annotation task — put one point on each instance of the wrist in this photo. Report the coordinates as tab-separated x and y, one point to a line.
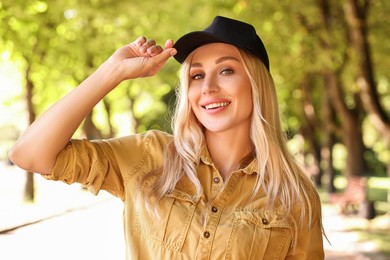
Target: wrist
112	72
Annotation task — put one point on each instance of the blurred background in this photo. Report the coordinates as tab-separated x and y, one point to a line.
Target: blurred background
330	62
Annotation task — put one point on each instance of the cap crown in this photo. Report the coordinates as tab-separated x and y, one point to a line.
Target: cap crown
223	29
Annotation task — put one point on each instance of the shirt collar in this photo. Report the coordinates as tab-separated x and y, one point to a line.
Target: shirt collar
205	156
206	159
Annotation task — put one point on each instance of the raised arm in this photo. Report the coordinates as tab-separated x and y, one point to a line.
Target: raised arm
37	149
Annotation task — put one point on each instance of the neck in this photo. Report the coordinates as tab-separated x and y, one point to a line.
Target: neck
227	150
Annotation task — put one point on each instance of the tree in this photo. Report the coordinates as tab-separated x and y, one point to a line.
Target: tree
356	13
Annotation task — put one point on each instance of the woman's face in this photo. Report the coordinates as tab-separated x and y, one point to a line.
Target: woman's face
219	88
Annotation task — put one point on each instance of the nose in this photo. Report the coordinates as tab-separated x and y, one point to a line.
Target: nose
210	85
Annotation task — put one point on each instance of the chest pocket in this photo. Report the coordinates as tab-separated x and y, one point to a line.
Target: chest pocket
259	234
171	228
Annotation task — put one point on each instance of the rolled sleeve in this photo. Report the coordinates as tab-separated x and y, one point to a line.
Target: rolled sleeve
90	163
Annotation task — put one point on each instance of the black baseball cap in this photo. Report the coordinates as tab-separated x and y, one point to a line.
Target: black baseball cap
225	30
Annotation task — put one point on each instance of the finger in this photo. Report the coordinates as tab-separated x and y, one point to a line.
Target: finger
140	41
155	63
154	50
163	56
168	44
147	44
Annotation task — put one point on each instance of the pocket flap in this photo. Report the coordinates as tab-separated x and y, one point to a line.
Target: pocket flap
264	219
178	194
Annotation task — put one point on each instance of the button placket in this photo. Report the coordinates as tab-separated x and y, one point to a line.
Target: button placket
220	199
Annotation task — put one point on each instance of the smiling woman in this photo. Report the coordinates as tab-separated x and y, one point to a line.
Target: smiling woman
222	186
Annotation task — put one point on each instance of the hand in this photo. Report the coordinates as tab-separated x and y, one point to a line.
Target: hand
142	58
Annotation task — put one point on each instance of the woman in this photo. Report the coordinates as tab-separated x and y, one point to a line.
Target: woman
223	186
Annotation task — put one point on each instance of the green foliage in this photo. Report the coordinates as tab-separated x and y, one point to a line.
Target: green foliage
62	41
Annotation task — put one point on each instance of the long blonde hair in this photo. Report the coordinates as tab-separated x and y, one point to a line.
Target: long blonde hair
278	175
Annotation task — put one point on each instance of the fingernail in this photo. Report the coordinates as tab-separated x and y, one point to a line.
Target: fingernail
173	52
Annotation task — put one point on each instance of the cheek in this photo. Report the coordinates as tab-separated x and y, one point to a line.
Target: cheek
250	101
192	97
247	107
246	95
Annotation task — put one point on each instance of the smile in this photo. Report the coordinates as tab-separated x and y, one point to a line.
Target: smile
216	105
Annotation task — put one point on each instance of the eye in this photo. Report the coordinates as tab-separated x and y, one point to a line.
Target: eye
226	71
197	76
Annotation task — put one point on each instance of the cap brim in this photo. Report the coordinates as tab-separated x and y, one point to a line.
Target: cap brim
191	41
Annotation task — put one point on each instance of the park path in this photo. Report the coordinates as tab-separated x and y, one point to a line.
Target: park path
345	241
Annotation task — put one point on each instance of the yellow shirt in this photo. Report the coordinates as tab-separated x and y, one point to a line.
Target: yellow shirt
218	225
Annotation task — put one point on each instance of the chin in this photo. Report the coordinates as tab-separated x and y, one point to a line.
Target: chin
215	129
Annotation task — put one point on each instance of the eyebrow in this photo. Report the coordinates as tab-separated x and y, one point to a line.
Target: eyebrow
219	60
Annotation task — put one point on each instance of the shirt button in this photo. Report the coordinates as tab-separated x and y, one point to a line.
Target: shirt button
214	209
216	180
265	222
206	234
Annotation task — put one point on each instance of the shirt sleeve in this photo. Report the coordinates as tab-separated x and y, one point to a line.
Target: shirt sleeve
91	163
112	164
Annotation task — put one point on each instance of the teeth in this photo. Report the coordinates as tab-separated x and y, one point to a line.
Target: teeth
215	105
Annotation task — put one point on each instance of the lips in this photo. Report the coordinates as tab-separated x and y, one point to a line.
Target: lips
216	105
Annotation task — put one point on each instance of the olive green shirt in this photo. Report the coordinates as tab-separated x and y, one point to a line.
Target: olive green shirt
221	224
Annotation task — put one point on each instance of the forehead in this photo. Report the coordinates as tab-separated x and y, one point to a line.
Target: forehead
212	51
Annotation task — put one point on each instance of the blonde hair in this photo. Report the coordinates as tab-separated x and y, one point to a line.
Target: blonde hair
283	180
278	175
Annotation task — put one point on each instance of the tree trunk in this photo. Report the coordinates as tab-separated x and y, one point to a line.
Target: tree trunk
329	139
29	192
29	189
309	131
351	126
353	141
107	106
327	160
135	122
90	130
